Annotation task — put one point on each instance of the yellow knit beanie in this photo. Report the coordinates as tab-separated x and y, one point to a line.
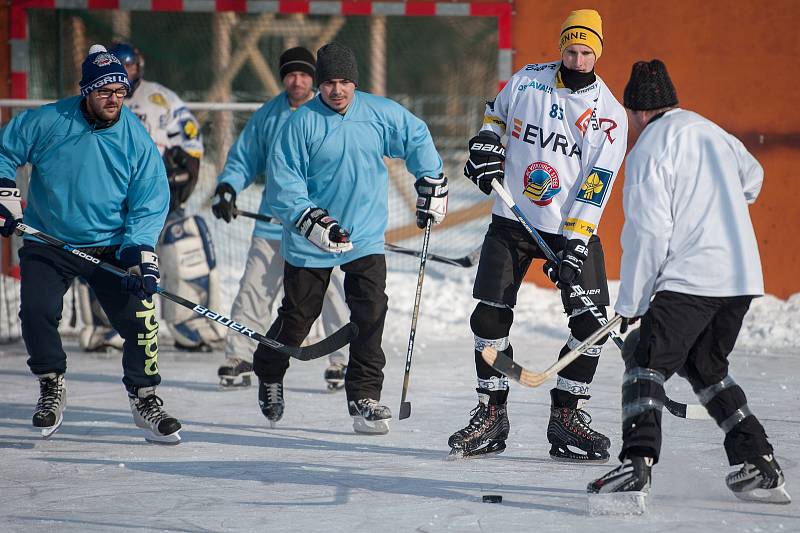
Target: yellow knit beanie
583	26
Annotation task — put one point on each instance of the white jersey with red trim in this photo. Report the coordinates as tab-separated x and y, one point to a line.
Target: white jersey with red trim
166	118
563	149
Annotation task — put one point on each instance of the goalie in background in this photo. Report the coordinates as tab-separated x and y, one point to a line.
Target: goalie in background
185	248
261	285
689	245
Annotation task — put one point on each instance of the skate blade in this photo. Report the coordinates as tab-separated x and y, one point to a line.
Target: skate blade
232	383
370	427
171	439
565	454
777	495
49	431
334	386
618	503
491	449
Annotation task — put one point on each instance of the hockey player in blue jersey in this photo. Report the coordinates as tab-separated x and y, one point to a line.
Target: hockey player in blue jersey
262	282
185	247
328	184
98	183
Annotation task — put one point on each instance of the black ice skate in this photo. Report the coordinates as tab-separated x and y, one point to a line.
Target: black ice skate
485	434
158	426
570	427
759	480
270	400
334	375
235	373
623	490
52	401
369	416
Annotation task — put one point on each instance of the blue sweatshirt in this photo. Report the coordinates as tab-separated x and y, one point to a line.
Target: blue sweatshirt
248	157
88	187
333	161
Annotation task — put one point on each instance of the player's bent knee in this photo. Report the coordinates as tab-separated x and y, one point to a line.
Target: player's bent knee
491	321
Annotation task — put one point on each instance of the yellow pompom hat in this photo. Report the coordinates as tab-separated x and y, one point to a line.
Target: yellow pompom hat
583	26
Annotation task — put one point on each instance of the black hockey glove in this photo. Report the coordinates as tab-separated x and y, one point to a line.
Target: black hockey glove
623	326
10	206
324	232
183	171
143	275
569	267
486	159
223	204
431	199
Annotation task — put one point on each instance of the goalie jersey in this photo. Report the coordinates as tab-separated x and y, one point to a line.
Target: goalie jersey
563	149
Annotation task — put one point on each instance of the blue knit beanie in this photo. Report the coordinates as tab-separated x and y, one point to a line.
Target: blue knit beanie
101	68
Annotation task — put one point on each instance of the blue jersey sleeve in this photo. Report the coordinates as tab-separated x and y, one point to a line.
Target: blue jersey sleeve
16	142
148	200
247	157
408	137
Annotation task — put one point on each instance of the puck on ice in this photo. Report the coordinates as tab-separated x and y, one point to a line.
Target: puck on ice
492	498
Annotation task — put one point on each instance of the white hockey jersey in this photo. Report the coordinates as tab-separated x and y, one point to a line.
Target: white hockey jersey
687	225
563	149
166	118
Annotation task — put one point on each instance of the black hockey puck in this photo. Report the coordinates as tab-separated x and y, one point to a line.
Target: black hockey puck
492	498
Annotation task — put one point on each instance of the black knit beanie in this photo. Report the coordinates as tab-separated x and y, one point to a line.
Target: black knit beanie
296	59
336	62
649	87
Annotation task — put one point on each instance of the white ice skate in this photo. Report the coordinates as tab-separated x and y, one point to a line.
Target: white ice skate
158	426
235	373
622	491
52	401
759	480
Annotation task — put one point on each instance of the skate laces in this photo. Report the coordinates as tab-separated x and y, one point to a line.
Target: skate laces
581	419
274	392
149	408
50	393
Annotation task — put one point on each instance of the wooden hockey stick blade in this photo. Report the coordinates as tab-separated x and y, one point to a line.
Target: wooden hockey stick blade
503	363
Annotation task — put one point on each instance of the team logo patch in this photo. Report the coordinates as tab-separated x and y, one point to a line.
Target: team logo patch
190	129
541	183
593	189
159	100
105	59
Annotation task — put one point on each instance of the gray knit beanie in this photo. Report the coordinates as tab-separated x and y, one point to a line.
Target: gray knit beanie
336	62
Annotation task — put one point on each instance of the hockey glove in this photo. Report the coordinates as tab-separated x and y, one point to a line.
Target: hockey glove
10	206
143	276
623	326
224	203
183	171
486	159
324	232
431	199
569	268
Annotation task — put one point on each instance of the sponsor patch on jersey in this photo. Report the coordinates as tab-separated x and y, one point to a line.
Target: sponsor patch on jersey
517	128
594	187
159	100
583	121
541	183
577	225
493	120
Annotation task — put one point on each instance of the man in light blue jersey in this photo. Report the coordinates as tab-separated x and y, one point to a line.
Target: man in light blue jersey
98	183
262	282
328	185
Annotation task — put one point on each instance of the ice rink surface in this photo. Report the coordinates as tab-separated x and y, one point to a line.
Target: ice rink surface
232	473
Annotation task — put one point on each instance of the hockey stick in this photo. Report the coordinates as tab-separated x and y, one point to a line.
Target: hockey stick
506	365
469	260
405	406
678	409
330	344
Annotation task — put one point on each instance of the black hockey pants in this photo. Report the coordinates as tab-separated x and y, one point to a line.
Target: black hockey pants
47	273
691	335
304	291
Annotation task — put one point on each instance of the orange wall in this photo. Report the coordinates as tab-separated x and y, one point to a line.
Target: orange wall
735	63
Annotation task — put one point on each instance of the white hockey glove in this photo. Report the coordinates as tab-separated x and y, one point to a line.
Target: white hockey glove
10	206
486	161
431	199
324	232
143	275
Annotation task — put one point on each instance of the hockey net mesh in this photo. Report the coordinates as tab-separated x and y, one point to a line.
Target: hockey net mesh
443	69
